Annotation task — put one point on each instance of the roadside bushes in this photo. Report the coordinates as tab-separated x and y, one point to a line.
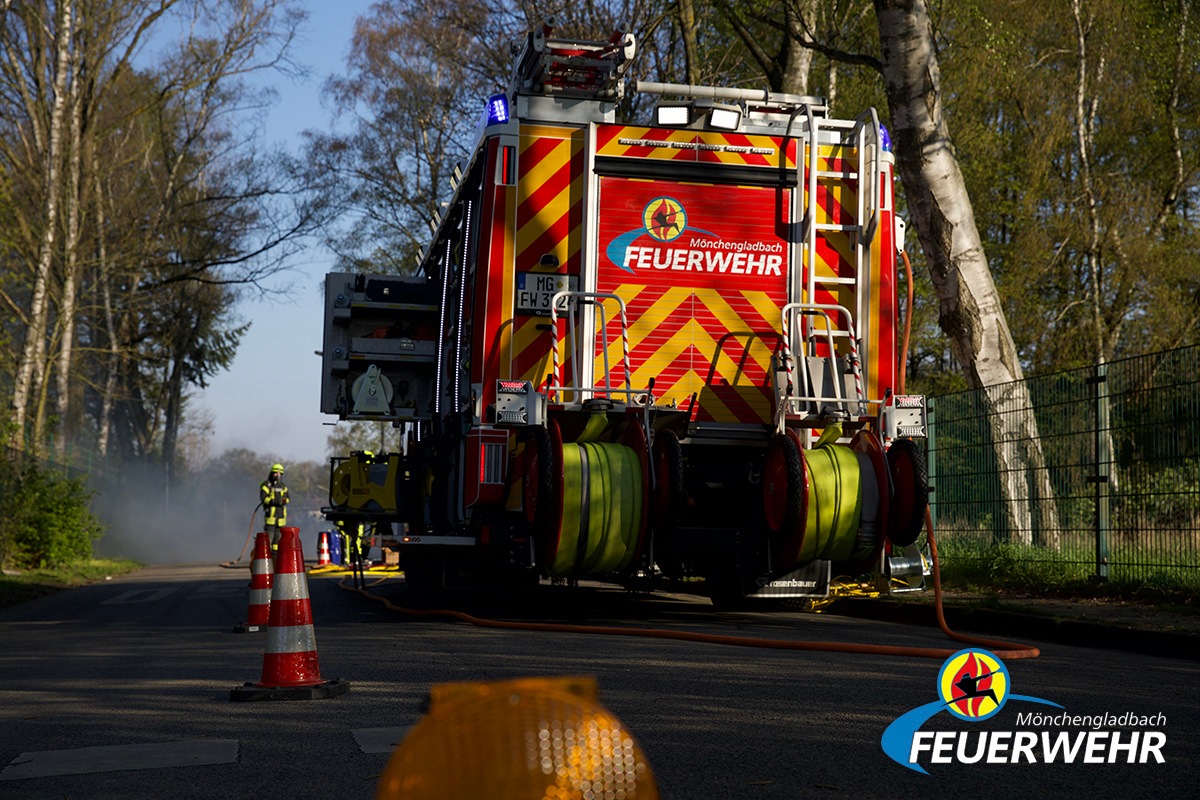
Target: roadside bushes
45	519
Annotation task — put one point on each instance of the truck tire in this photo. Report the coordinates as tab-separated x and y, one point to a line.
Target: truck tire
910	492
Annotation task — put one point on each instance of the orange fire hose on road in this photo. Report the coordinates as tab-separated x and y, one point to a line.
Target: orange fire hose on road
249	535
1008	650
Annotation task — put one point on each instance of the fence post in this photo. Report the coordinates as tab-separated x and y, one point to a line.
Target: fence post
1103	464
931	456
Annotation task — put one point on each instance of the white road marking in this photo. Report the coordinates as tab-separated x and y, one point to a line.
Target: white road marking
85	760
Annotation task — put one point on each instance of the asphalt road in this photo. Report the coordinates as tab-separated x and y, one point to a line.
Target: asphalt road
144	665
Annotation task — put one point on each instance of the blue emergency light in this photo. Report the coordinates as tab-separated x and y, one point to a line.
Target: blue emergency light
497	109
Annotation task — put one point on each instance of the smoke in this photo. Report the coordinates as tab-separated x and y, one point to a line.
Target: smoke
207	517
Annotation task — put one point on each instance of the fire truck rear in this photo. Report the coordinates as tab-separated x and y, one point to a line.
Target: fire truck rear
641	349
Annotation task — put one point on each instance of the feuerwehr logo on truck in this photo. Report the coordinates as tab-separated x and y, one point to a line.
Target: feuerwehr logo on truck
666	247
974	685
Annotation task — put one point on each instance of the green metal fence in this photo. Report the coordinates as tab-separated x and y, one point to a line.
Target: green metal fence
1095	470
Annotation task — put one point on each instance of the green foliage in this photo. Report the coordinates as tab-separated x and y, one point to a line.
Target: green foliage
1036	571
997	567
1079	154
1007	566
177	208
1167	498
31	584
378	437
45	518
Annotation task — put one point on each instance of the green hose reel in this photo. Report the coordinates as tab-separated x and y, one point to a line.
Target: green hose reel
586	500
601	509
825	502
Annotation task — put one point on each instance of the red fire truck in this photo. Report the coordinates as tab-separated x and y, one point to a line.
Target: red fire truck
641	348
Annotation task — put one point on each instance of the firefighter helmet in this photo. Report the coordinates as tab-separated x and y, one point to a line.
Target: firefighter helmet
277	467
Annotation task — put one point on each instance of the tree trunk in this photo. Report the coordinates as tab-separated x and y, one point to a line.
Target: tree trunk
800	17
65	409
687	28
31	367
970	309
104	289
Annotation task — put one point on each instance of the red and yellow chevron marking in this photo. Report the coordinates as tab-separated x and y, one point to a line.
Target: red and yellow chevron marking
549	221
494	289
698	341
703	293
681	144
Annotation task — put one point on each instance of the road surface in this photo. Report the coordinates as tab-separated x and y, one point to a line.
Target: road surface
121	689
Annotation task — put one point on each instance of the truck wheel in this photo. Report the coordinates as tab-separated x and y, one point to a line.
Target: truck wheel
910	492
670	493
725	590
422	573
541	492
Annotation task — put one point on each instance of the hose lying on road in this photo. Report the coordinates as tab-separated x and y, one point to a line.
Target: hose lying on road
249	535
1008	650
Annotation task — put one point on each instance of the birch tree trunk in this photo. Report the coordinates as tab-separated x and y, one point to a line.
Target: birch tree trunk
104	288
74	200
801	18
970	310
31	367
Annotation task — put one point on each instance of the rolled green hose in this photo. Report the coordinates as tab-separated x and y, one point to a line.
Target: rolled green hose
633	523
602	509
568	541
834	503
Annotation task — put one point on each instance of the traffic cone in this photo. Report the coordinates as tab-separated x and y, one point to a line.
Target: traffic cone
323	549
290	669
259	609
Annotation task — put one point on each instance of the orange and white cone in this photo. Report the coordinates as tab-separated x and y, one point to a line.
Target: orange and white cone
323	549
290	669
258	610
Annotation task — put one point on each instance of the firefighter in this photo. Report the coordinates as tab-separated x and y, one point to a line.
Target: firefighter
351	534
274	498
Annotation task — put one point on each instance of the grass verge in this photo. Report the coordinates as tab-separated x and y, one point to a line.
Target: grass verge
27	585
1041	573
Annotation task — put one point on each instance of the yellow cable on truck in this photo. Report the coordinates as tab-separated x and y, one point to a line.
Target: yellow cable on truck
596	517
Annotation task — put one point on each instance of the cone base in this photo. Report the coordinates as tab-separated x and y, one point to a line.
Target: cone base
246	627
320	691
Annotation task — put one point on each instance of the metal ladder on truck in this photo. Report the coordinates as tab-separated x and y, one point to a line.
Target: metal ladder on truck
821	379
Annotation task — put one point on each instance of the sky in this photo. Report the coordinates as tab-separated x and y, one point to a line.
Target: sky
269	399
